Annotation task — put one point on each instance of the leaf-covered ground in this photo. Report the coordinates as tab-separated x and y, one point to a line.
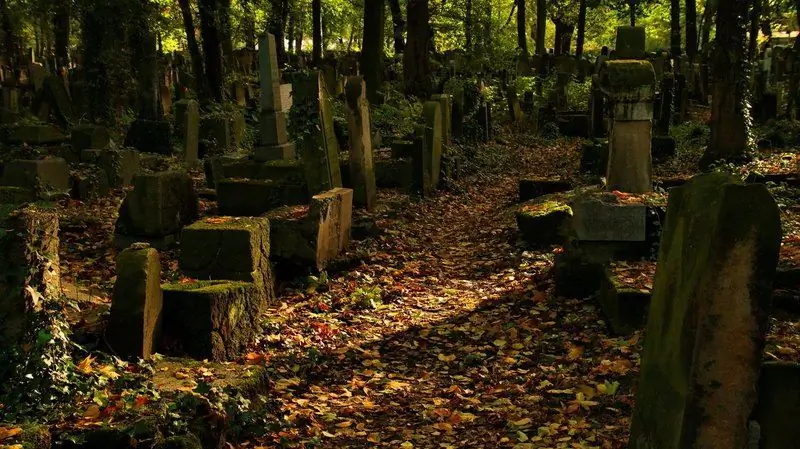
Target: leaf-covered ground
441	332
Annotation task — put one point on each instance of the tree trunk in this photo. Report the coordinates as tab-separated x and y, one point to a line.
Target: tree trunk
522	28
316	16
416	71
10	37
400	24
248	25
144	62
372	50
563	42
766	13
541	26
194	52
730	116
276	27
755	19
632	11
691	29
94	38
211	48
675	31
224	27
61	16
581	29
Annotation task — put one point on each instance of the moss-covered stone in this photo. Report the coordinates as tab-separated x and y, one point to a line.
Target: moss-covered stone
625	307
159	205
708	315
212	320
231	248
44	176
621	77
88	182
545	221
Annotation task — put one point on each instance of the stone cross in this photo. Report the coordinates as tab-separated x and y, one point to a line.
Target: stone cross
274	142
362	170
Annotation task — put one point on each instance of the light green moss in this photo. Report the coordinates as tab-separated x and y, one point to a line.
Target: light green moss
227	223
544	208
207	287
625	74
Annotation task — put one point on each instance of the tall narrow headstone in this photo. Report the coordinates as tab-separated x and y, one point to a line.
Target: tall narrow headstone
362	170
274	142
432	112
135	320
709	316
630	86
447	117
192	131
318	147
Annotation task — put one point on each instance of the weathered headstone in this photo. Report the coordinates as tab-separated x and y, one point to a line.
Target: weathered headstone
630	85
319	149
597	220
44	176
30	270
274	142
192	136
362	171
708	316
447	117
630	43
432	113
134	324
421	163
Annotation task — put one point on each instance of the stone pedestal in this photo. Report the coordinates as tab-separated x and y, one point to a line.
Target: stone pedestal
274	143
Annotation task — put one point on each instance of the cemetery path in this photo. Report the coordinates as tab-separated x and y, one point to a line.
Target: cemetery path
447	335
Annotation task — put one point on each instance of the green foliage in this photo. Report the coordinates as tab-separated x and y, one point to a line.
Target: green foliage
396	118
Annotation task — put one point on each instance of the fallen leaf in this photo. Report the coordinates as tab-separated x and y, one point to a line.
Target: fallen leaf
8	432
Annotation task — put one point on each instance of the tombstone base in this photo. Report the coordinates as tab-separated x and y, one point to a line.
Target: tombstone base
284	152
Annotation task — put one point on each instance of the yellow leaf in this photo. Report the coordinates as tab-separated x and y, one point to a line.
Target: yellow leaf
575	352
588	391
407	445
13	446
344	424
499	343
109	371
85	365
521	437
443	426
467	417
328	434
181	375
6	433
522	422
92	412
446	358
374	437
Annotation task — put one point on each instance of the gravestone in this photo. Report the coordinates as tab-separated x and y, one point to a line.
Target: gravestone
630	43
708	317
597	220
630	86
274	141
432	113
665	112
514	108
362	170
421	163
447	117
286	97
29	264
134	323
85	137
318	146
192	132
43	176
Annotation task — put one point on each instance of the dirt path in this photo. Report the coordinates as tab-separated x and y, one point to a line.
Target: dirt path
464	347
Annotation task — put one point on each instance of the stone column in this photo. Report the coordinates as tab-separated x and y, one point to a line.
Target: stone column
630	86
274	143
362	170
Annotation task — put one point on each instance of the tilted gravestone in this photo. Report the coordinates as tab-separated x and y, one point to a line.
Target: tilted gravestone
708	317
134	324
318	147
630	86
362	170
274	143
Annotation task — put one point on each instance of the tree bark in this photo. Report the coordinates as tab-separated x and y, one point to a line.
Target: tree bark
522	28
468	28
581	29
416	71
224	24
10	37
541	26
691	29
144	62
755	19
211	48
675	31
194	53
400	25
277	22
61	22
372	50
730	116
316	15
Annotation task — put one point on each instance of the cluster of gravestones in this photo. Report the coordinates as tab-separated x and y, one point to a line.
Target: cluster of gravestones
702	380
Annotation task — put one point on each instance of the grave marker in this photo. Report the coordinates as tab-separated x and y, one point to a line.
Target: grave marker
274	142
362	171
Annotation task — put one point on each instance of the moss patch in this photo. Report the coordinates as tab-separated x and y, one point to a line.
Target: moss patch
204	286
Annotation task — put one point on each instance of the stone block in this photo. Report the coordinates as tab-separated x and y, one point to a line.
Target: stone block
273	128
44	176
630	43
624	306
34	135
600	218
159	205
213	320
545	221
536	187
134	324
316	237
89	137
216	129
284	152
150	136
88	181
121	166
709	315
778	405
231	248
252	197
